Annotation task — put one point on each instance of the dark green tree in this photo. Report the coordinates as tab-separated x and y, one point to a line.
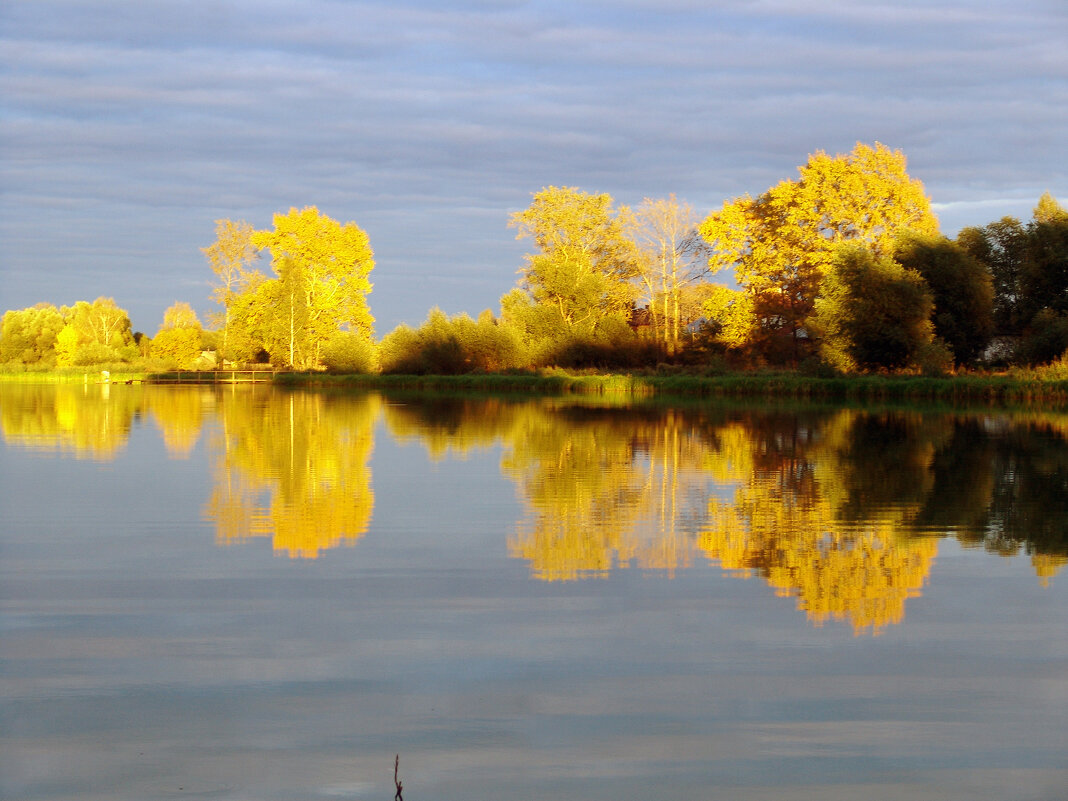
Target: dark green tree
962	289
1000	246
872	313
1044	272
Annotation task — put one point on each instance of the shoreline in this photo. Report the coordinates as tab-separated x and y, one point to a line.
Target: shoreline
1005	390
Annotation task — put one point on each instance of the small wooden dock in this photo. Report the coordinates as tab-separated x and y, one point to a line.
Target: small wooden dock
212	377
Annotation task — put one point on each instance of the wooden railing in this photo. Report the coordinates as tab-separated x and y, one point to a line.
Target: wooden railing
213	377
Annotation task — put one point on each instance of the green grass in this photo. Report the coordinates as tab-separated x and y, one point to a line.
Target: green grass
69	375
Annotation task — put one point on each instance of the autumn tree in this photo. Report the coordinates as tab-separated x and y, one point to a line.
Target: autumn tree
584	264
872	313
28	336
672	256
179	315
231	257
323	270
782	244
729	313
962	290
179	338
94	333
101	322
448	346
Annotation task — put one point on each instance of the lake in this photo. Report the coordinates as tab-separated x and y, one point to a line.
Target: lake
252	593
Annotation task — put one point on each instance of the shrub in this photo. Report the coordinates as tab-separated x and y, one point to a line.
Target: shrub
443	346
178	346
95	353
348	352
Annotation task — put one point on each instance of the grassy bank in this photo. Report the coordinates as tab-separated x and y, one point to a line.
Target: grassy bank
1010	390
70	375
996	390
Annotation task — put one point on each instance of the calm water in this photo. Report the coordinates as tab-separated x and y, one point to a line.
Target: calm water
255	594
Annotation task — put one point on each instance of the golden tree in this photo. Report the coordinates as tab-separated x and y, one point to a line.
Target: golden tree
672	257
781	244
323	270
584	266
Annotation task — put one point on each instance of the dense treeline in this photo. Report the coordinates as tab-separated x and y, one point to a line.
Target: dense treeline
842	270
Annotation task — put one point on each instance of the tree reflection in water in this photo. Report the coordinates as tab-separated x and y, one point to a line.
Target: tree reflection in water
840	509
90	420
295	468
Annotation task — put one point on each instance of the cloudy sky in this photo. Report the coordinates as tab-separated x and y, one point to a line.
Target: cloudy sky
127	127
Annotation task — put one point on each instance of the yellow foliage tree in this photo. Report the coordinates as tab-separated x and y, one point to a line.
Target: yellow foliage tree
231	257
672	257
781	244
323	270
585	263
179	315
66	346
730	312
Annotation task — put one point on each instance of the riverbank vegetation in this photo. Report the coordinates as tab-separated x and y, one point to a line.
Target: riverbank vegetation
840	272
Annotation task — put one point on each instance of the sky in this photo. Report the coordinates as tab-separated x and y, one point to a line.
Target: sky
127	127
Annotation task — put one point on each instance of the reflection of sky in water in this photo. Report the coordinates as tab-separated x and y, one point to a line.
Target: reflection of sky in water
139	657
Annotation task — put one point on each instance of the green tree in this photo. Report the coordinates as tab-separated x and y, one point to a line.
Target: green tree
962	289
872	313
782	244
323	270
347	352
584	263
1044	273
1029	265
1001	247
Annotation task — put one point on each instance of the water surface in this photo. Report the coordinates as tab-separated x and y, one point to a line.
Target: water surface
257	594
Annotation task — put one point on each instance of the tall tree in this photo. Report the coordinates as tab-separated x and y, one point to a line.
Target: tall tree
324	270
781	244
672	257
1001	247
231	257
962	289
1044	273
584	265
